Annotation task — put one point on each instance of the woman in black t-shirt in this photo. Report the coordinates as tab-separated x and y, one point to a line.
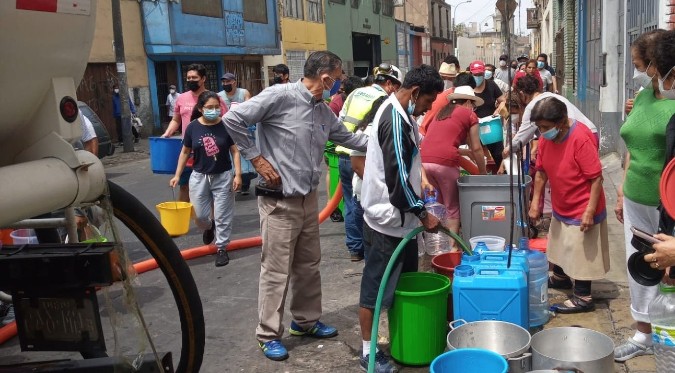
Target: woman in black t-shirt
212	183
494	100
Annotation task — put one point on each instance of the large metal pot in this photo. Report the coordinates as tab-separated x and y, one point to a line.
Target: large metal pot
573	348
509	340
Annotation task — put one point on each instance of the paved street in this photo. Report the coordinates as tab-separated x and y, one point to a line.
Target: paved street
229	294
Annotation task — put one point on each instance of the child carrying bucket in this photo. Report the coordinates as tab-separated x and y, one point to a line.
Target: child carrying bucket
212	183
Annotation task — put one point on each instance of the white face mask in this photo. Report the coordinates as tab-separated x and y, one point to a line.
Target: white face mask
502	63
116	90
667	93
172	91
641	78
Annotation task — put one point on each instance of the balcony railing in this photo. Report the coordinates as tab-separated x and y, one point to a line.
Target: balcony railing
533	21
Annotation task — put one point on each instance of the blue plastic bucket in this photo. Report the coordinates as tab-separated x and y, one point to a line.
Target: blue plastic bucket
164	154
469	360
490	130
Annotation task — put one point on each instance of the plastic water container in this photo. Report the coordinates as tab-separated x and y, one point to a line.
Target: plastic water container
501	259
537	283
490	294
493	243
469	360
435	243
662	317
24	237
164	154
490	130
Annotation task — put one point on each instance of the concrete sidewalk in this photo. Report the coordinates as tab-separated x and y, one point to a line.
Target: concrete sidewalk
229	294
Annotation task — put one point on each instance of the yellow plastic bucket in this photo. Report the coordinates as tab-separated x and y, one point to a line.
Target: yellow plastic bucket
175	217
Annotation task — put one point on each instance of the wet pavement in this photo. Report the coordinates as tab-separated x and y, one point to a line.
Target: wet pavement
229	294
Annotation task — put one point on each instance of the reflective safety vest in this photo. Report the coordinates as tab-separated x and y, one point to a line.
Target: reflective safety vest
356	107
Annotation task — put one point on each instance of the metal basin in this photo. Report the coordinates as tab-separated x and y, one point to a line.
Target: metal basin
573	348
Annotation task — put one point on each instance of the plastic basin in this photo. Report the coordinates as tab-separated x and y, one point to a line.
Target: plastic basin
469	360
445	263
490	130
164	154
24	237
493	243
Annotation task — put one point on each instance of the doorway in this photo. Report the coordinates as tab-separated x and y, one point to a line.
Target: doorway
367	53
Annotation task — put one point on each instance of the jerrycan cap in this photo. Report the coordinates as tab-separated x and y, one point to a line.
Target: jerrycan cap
470	258
463	270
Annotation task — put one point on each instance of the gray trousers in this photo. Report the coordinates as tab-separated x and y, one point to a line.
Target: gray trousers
291	254
213	195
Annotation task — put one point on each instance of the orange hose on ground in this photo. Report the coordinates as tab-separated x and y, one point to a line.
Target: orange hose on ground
9	331
469	166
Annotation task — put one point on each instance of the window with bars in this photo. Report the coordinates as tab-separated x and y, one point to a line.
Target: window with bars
207	8
255	11
212	80
294	9
377	4
314	11
295	60
388	8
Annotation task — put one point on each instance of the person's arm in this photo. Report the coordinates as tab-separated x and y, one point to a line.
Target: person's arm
589	213
236	160
540	179
340	135
588	161
477	149
182	160
618	209
525	132
358	164
247	95
427	187
173	125
91	146
665	251
132	107
554	84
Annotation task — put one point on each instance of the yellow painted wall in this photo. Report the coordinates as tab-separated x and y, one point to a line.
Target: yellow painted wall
302	35
102	49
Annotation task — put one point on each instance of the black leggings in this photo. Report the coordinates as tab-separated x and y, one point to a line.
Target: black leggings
581	288
496	150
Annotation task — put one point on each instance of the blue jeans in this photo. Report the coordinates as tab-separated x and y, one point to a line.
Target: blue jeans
353	229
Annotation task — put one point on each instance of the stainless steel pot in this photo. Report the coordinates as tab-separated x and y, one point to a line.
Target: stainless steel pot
509	340
571	348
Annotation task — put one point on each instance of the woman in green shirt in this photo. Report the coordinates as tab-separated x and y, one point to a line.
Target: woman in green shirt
644	132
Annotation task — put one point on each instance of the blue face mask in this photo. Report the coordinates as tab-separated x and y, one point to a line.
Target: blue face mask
411	105
478	80
336	87
540	64
211	114
488	74
551	134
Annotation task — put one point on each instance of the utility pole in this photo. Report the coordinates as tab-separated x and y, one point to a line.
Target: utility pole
122	76
406	36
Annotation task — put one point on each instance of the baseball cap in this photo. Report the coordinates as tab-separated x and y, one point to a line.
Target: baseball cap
523	57
477	67
228	76
504	57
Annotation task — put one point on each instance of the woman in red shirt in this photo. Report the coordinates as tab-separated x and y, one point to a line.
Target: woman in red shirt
454	124
577	244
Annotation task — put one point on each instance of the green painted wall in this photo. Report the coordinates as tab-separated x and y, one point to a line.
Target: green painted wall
342	20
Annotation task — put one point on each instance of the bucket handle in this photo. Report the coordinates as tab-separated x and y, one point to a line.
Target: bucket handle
523	359
453	326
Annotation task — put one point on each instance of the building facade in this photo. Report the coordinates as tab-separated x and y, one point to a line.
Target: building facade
440	25
413	34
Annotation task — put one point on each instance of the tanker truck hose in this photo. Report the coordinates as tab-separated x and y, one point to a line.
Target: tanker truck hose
385	278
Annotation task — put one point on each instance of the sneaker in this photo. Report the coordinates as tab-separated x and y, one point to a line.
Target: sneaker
356	257
382	363
274	350
631	349
9	316
209	234
319	330
222	259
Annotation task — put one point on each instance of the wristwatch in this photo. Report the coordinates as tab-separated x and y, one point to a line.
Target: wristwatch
422	214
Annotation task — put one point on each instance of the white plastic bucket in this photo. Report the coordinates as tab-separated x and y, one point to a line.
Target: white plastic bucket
24	236
494	243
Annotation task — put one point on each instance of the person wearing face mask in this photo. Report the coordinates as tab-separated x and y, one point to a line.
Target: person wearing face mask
454	125
462	78
644	133
543	57
281	74
578	244
494	102
490	75
195	78
294	123
117	113
502	72
231	93
357	105
393	183
549	83
171	101
212	183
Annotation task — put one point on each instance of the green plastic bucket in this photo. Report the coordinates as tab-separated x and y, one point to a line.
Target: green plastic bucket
418	318
334	172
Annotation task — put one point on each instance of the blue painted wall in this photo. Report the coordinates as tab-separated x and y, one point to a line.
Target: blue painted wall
167	30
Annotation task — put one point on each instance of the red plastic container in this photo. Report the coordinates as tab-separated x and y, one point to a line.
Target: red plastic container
445	263
539	244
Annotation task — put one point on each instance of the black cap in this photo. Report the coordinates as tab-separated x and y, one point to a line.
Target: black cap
504	57
523	57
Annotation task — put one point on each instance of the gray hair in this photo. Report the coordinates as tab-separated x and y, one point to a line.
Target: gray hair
321	62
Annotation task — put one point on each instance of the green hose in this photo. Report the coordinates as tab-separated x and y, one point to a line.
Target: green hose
385	278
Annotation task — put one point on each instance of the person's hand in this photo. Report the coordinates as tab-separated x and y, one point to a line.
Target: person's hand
431	223
618	209
81	221
586	220
173	182
664	254
534	212
165	135
629	105
427	188
236	183
266	170
507	152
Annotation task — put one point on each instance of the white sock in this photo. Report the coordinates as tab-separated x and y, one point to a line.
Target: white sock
643	338
366	348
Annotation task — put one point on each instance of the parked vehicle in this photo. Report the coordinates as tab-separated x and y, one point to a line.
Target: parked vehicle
105	145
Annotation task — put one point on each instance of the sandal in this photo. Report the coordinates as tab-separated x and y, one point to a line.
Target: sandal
578	305
555	283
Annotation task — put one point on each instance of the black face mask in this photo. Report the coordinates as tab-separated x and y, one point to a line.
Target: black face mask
227	87
278	80
193	85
